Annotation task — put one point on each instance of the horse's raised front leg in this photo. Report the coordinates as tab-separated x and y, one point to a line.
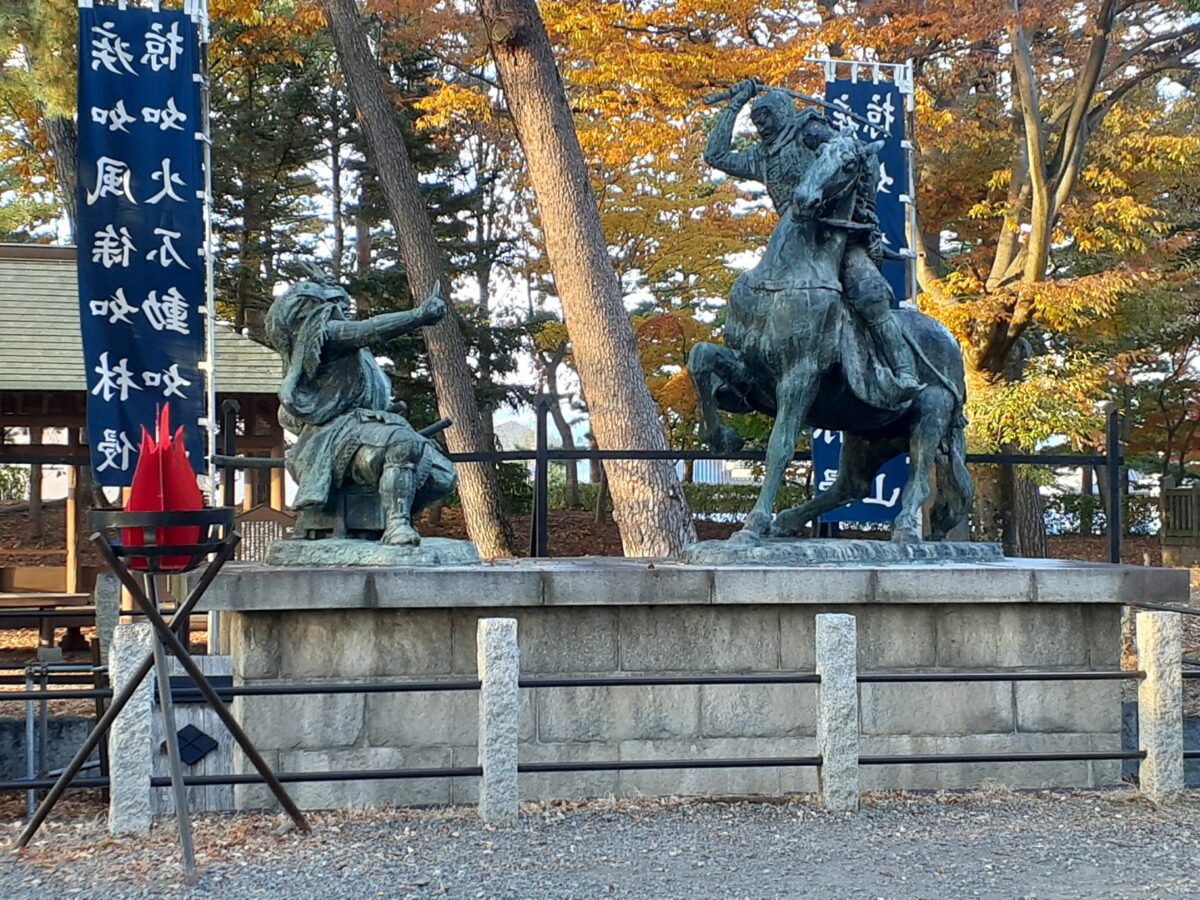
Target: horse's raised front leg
932	410
794	396
712	367
859	461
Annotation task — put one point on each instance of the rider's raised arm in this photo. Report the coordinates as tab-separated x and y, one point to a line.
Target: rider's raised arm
719	152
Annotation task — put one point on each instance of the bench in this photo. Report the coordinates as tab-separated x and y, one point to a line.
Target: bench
37	604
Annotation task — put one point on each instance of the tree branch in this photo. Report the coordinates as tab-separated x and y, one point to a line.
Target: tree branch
1038	246
1075	132
1137	49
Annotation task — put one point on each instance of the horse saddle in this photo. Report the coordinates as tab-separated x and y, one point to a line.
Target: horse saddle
867	372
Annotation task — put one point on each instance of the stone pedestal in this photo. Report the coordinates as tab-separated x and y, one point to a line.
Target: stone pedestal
616	616
823	552
357	552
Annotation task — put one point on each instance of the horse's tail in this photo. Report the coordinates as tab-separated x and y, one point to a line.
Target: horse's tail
955	490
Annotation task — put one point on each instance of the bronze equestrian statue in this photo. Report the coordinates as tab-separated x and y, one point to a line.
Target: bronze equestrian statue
810	336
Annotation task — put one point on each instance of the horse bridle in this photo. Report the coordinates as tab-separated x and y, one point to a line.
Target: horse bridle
850	185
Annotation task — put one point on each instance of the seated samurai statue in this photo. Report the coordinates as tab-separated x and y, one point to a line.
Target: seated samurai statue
352	437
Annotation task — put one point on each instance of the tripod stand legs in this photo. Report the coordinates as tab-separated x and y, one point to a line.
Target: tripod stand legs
119	702
171	733
172	642
163	636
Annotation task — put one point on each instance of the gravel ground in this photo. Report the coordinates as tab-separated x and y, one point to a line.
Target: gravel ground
992	844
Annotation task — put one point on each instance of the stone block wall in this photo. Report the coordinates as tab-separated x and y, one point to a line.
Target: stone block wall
412	730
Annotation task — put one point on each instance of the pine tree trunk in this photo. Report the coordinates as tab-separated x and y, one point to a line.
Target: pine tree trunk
36	518
571	494
362	246
1031	520
477	483
64	139
992	518
648	503
564	433
602	500
335	180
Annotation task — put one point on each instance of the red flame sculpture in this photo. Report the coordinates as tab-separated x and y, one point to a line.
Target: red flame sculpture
163	481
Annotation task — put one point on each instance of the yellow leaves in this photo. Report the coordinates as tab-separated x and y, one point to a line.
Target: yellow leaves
987	209
551	336
268	32
1058	397
309	17
929	115
961	283
244	12
1073	303
1000	180
664	342
1104	178
676	393
1062	305
1121	224
453	106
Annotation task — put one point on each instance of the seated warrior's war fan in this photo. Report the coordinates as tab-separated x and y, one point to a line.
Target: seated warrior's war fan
163	481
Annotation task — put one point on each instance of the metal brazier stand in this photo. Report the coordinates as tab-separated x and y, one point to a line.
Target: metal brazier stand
212	550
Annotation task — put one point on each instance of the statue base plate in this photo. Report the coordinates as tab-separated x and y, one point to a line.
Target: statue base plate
432	551
746	551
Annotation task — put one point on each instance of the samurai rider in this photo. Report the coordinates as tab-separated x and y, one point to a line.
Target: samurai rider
338	400
789	141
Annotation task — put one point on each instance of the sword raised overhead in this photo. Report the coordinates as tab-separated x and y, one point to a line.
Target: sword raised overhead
722	96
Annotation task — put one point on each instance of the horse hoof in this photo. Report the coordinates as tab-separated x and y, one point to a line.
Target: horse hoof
905	535
786	525
754	529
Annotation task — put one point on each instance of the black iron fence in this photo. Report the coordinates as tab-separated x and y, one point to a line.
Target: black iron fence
542	455
184	694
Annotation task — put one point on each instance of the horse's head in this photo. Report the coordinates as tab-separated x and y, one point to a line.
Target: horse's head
833	174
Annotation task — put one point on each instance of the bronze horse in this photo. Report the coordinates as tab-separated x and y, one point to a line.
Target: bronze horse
789	353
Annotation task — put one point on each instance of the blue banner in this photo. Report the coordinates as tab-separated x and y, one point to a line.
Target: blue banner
881	103
882	504
140	230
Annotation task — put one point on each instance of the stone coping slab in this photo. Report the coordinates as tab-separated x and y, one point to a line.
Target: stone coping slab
738	551
609	581
432	551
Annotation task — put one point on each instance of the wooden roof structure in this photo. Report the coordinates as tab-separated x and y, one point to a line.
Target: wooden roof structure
43	384
40	348
42	379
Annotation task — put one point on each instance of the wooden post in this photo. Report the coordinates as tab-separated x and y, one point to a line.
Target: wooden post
277	480
35	487
72	529
249	483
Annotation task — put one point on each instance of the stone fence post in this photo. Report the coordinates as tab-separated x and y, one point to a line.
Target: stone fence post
837	710
107	600
130	751
1160	704
499	718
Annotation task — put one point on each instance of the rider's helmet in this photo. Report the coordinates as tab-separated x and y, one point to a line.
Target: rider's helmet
772	113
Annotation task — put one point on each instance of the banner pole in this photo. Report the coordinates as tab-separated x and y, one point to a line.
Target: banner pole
908	88
210	294
210	299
